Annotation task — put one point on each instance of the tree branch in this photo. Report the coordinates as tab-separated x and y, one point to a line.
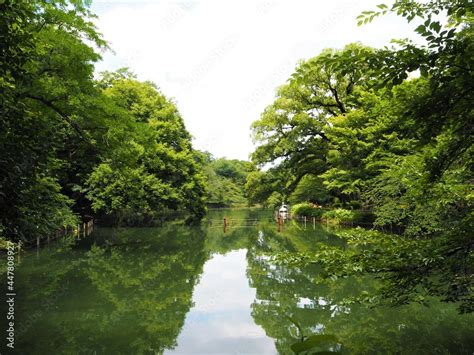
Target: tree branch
65	117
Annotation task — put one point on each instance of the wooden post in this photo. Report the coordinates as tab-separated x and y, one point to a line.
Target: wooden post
37	242
225	224
304	222
85	230
314	222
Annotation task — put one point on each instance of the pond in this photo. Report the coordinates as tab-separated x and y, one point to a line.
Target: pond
203	290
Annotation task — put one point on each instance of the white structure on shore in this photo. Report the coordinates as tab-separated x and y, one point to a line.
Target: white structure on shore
283	212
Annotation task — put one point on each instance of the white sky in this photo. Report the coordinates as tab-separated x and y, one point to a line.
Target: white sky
222	60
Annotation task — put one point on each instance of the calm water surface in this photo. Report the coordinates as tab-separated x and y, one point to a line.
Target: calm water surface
180	290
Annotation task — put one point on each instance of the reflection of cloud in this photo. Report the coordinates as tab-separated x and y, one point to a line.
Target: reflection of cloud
224	286
221	319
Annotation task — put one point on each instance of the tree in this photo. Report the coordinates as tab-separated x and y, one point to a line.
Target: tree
62	132
225	179
153	167
292	132
404	150
46	70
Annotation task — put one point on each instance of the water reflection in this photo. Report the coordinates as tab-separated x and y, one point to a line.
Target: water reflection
300	314
220	322
179	290
127	295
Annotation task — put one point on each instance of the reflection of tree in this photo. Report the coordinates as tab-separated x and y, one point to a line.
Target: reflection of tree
242	233
290	306
129	295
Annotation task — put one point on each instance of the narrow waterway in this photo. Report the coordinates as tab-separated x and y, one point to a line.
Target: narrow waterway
203	290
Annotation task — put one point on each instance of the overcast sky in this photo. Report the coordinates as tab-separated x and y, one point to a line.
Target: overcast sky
222	60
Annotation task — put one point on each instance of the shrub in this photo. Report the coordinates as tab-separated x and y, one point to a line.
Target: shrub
339	215
306	209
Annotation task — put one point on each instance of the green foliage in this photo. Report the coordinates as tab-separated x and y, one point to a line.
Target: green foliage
317	344
274	200
259	186
339	215
225	180
64	136
293	130
152	166
382	139
45	76
310	188
412	270
234	169
306	209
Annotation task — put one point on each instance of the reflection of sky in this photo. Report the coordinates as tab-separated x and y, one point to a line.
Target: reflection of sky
220	322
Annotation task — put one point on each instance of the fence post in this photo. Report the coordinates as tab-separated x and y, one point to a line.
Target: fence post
37	242
304	222
314	222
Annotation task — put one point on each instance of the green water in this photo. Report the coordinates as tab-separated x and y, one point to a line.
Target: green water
180	290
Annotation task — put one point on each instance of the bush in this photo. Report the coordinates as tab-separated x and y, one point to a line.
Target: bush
306	209
339	215
363	217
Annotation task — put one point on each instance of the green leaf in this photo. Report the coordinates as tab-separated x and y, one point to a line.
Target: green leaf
320	343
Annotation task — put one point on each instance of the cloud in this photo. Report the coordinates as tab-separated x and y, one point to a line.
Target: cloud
222	60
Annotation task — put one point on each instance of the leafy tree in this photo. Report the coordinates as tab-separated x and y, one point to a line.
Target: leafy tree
310	189
225	180
295	304
46	71
293	130
154	167
401	147
62	132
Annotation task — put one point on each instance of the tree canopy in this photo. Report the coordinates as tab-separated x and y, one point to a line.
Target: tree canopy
225	180
388	131
72	145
